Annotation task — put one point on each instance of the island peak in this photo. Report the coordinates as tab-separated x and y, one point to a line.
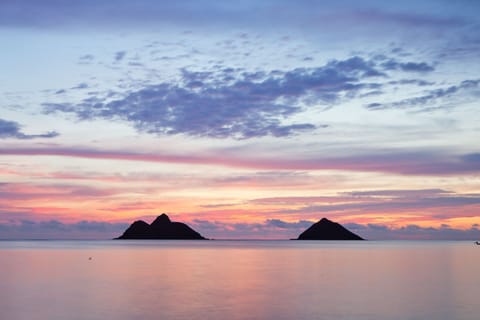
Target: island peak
161	219
327	230
161	228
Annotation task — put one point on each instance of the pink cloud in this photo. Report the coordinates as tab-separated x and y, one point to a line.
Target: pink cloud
413	163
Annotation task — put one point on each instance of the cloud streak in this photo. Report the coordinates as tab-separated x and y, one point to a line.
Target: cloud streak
145	13
405	163
414	232
432	204
10	192
421	67
55	229
430	98
399	207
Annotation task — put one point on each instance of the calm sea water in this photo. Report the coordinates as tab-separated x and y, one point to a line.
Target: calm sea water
239	280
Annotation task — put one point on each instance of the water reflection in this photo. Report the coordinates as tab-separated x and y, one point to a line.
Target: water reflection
239	280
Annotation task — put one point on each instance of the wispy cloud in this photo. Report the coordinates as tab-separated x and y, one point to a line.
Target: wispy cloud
119	55
393	200
400	207
378	201
55	229
10	192
408	19
407	162
414	232
144	13
407	66
467	89
11	129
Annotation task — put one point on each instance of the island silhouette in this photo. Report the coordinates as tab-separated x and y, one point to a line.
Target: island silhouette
327	230
161	228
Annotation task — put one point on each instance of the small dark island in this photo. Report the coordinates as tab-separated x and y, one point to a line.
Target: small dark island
327	230
161	228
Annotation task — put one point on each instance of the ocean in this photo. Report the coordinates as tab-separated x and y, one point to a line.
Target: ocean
239	280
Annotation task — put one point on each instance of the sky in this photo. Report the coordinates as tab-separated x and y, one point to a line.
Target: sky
244	119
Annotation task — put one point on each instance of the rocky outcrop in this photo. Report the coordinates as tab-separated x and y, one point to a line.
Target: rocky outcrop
327	230
161	228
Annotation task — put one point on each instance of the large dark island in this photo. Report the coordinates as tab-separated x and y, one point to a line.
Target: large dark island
161	228
327	230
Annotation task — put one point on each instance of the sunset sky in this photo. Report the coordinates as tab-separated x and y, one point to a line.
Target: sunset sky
244	119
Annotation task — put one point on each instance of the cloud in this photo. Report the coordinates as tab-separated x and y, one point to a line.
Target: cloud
428	162
229	103
472	158
82	85
361	198
269	229
418	205
104	14
465	89
413	232
277	223
418	82
400	193
119	55
400	207
395	206
145	13
408	20
86	59
295	200
54	229
421	67
11	129
25	191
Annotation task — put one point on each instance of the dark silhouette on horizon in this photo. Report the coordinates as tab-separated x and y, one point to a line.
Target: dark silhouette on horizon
327	230
161	228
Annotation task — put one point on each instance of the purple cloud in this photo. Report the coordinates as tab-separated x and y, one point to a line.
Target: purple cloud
431	98
145	13
277	223
394	206
54	229
86	59
421	67
413	232
431	203
433	162
269	229
229	103
11	129
119	55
